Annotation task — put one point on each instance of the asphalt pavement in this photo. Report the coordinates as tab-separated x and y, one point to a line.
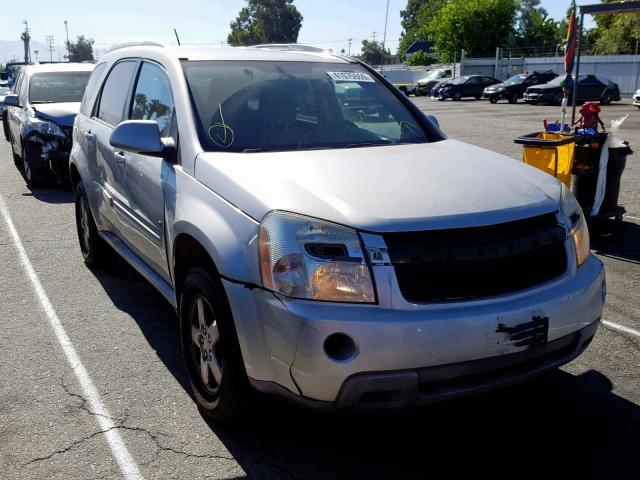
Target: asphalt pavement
582	421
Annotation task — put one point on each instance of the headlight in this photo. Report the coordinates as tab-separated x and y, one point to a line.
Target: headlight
579	230
501	89
51	129
303	257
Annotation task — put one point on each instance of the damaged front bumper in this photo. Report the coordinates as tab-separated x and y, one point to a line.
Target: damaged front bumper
50	152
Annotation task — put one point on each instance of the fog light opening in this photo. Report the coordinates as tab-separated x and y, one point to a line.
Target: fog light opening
340	347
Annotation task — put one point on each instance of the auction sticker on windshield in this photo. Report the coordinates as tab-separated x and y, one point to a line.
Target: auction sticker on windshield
350	77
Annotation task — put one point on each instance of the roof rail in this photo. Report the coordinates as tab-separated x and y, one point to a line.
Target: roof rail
144	43
292	46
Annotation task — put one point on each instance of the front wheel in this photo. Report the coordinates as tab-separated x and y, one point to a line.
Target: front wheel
493	100
211	349
34	174
557	99
607	98
457	96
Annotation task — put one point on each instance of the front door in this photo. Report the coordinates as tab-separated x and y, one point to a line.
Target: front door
142	216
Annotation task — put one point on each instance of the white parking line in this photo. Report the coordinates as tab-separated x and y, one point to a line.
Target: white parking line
119	450
632	218
621	328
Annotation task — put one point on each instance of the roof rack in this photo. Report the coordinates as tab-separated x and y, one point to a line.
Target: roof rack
292	46
144	43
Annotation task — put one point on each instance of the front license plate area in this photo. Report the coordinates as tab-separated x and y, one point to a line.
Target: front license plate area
530	334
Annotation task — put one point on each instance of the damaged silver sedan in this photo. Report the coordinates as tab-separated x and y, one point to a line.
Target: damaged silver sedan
40	117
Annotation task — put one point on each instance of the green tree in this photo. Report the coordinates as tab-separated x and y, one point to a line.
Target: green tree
81	50
415	18
616	34
539	31
266	21
478	27
421	58
372	52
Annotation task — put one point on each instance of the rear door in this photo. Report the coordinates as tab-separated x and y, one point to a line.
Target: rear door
108	114
589	88
142	213
471	87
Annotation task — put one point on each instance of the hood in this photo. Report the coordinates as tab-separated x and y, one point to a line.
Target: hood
444	184
496	86
61	113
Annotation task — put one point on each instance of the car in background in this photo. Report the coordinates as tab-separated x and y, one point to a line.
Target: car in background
3	111
426	84
514	88
590	88
40	115
636	99
465	86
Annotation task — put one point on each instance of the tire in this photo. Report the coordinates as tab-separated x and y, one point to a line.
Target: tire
478	97
92	246
457	96
493	100
607	98
34	175
210	345
5	126
557	99
513	98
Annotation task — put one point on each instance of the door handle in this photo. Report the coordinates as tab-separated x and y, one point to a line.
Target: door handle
120	158
87	135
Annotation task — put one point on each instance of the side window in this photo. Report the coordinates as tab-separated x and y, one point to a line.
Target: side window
91	92
152	98
447	74
115	91
473	81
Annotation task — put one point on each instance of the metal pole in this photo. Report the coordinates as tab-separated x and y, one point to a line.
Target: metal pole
384	38
495	69
575	80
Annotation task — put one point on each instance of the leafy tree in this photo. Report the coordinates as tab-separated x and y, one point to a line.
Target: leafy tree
539	31
616	34
266	21
421	58
415	19
372	52
81	50
478	27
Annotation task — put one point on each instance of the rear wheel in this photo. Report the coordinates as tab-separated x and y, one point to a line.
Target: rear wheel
478	97
211	349
607	98
92	246
513	98
457	96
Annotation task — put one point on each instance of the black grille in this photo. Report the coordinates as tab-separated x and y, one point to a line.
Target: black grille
475	262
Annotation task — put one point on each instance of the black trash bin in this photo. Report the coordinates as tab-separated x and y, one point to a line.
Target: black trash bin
615	167
585	180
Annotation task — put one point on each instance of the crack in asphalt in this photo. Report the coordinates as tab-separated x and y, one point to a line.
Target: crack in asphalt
154	436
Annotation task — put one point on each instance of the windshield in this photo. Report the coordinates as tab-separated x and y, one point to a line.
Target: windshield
436	74
556	82
57	87
258	106
459	80
516	80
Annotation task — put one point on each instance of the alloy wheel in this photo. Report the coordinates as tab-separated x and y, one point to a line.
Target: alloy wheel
205	337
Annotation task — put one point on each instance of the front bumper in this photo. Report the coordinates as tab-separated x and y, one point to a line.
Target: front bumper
636	101
283	340
537	97
493	95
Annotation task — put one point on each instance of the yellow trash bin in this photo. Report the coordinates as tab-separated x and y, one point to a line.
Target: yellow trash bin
550	152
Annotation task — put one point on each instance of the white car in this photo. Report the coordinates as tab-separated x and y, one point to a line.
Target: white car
320	238
636	99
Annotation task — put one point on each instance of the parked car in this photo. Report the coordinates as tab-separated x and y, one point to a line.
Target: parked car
514	88
465	86
4	90
590	88
40	118
343	258
426	84
636	99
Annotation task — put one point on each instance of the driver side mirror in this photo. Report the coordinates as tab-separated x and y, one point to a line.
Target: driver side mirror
12	101
143	137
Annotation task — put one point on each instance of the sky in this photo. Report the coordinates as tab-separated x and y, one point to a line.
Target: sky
327	23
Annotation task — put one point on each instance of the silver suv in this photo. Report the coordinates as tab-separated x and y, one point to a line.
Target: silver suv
320	238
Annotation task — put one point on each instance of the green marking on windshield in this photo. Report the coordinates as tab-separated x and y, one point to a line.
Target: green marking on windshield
220	133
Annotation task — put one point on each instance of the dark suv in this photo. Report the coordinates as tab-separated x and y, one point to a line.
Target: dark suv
514	88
